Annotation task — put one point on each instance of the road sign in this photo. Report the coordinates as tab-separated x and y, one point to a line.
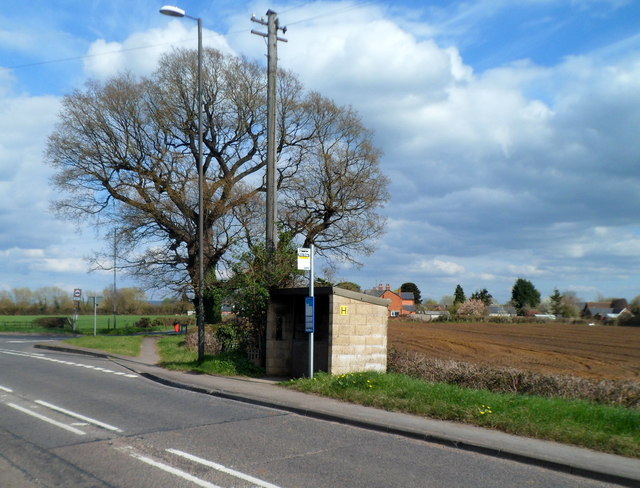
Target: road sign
77	293
309	314
304	259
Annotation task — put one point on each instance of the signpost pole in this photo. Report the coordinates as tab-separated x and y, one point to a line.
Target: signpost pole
96	301
305	262
95	322
77	294
311	280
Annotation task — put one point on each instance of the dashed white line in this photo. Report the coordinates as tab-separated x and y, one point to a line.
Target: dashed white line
25	341
8	390
46	419
223	469
174	471
68	363
78	416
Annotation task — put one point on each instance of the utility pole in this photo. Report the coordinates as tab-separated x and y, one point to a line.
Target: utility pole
272	69
115	263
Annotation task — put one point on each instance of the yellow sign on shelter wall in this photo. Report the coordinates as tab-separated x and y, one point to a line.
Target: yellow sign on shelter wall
344	310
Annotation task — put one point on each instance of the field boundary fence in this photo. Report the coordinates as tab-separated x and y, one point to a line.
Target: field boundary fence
16	323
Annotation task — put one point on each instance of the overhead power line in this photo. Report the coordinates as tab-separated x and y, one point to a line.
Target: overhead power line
152	46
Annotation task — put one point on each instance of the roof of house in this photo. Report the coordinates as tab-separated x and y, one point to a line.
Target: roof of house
600	310
407	295
331	290
603	308
374	293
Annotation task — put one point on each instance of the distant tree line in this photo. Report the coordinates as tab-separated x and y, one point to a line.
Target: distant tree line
51	300
525	299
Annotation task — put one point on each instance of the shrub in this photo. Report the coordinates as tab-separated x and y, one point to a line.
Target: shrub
211	343
629	320
235	335
146	322
51	322
232	336
472	308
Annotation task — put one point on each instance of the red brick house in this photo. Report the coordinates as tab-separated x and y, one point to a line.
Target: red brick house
402	303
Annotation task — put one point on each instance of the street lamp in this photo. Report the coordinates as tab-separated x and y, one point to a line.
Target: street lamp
173	11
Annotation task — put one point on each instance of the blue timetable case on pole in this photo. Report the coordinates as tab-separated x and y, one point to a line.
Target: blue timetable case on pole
309	314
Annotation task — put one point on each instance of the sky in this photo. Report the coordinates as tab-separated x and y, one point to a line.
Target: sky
509	130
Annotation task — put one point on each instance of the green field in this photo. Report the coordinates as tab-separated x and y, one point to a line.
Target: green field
85	323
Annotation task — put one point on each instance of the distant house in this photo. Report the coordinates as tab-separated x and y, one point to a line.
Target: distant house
402	302
408	302
604	310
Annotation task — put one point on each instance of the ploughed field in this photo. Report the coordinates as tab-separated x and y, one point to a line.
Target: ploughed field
600	352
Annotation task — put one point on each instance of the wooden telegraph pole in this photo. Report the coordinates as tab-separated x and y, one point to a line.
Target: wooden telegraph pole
272	68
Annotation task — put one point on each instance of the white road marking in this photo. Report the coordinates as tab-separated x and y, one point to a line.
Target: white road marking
68	363
19	353
174	471
78	416
25	341
223	469
46	419
8	390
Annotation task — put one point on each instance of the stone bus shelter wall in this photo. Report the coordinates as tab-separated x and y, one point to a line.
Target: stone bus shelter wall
350	332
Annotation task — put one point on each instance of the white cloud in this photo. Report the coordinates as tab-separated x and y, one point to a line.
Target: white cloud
18	254
526	270
521	169
139	53
437	266
24	125
61	265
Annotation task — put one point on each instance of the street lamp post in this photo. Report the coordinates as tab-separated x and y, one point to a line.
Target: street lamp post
178	12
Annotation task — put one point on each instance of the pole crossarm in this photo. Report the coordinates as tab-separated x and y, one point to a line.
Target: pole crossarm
261	21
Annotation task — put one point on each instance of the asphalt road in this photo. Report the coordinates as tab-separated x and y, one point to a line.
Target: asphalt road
77	421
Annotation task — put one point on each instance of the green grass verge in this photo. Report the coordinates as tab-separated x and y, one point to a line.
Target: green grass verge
609	429
122	345
175	356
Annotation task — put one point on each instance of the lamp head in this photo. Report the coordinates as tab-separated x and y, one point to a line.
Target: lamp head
172	11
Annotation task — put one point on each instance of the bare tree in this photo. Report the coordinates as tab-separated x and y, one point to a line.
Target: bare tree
135	141
333	199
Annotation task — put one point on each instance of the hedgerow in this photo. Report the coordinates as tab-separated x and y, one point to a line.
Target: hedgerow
511	380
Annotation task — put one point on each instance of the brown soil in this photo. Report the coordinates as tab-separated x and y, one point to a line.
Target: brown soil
580	350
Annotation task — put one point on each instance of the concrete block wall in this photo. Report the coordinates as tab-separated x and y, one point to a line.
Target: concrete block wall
351	332
278	352
357	335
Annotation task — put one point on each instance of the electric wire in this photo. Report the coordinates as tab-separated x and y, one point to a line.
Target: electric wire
153	46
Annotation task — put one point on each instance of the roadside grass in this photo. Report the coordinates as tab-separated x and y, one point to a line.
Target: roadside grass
122	345
175	356
615	430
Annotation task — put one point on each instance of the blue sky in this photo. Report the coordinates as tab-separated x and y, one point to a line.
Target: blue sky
509	129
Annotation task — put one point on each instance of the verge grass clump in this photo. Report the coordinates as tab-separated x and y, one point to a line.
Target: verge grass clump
122	345
510	380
